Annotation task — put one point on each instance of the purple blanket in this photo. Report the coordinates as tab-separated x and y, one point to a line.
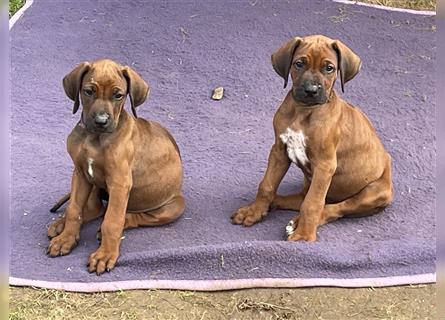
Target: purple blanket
184	49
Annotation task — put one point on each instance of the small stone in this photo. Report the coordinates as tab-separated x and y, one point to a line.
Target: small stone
218	93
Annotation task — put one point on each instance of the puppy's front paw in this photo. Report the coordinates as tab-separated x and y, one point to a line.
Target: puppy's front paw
300	236
248	215
62	245
56	228
297	234
102	260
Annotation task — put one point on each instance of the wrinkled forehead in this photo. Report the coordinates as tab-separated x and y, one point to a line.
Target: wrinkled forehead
105	73
317	48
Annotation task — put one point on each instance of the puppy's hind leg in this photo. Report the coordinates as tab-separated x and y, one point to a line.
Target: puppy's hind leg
370	200
374	197
163	215
290	202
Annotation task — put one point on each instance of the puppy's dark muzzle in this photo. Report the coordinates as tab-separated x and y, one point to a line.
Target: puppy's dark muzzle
312	89
101	119
100	122
310	93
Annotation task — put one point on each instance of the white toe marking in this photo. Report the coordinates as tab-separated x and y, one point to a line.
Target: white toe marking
90	167
290	228
296	145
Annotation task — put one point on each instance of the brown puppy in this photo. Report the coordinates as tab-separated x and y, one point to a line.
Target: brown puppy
346	168
134	161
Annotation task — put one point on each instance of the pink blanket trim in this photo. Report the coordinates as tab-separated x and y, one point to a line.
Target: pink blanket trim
216	285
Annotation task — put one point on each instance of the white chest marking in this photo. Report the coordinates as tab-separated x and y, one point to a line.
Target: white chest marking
296	145
90	167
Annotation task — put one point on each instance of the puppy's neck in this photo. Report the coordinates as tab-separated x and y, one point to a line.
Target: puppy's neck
331	101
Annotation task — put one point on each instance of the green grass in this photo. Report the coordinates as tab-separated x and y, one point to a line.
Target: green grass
14	6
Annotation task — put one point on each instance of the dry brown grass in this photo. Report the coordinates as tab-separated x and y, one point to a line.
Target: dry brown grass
408	4
401	303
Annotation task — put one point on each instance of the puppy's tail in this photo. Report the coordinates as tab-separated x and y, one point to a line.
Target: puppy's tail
60	203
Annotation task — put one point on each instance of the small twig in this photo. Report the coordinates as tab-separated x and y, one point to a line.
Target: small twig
185	34
238	132
170	303
169	114
246	304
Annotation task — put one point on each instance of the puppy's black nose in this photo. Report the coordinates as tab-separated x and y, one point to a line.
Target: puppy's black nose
101	118
312	88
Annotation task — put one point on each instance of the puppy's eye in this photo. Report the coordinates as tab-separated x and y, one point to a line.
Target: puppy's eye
88	92
299	64
118	96
329	68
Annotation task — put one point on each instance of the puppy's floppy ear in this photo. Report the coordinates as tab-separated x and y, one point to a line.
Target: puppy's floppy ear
73	81
282	58
348	62
137	88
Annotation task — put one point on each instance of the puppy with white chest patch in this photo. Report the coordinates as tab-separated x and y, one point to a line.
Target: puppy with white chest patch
347	171
132	163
